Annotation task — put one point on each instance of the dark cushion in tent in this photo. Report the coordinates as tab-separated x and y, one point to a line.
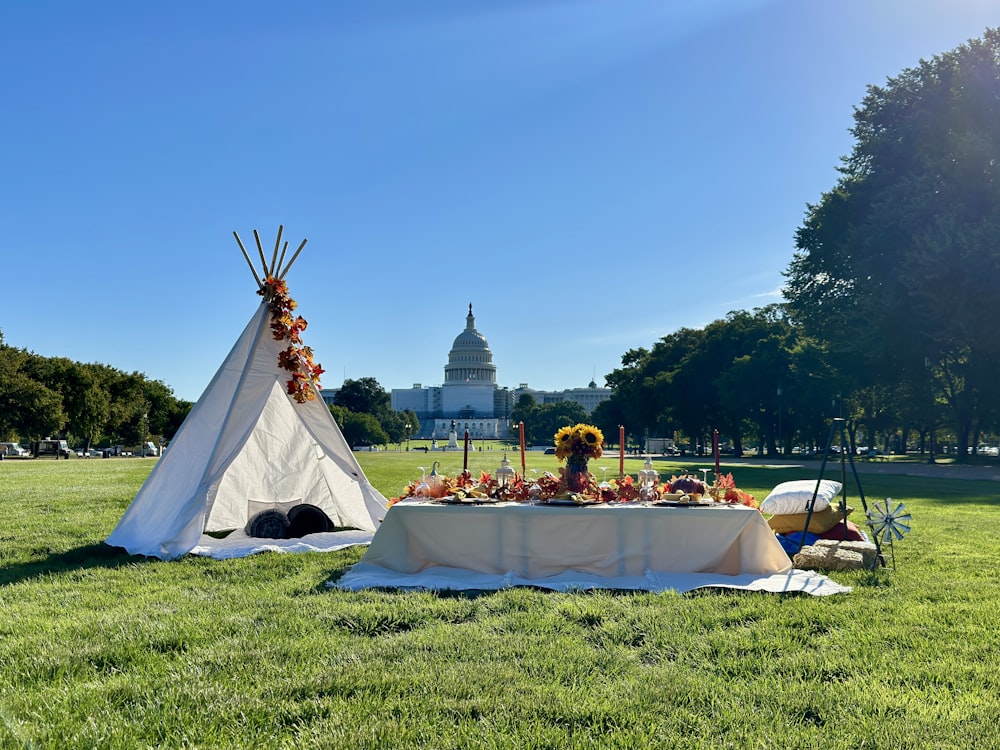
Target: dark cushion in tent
268	524
307	519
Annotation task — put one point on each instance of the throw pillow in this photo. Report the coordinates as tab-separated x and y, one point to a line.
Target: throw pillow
307	519
844	530
794	496
268	524
821	521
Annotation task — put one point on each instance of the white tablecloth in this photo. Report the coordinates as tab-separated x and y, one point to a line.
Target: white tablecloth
634	546
534	541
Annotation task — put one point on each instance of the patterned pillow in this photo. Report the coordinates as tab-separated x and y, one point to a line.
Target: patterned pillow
268	524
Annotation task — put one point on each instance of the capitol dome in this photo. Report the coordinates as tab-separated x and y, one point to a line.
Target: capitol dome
470	360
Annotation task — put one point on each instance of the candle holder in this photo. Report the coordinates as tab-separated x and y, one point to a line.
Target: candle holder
647	474
505	473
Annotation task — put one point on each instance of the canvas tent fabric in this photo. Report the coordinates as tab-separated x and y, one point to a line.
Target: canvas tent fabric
247	443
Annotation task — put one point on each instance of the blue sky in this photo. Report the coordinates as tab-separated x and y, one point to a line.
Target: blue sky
590	175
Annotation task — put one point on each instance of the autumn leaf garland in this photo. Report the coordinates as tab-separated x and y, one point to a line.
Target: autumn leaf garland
296	358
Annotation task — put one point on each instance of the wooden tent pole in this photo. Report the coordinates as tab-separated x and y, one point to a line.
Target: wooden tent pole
260	284
274	255
260	251
281	258
296	255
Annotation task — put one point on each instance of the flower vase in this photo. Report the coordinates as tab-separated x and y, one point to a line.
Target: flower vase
577	476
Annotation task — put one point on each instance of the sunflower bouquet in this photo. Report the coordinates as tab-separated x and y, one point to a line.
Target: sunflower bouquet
581	442
576	445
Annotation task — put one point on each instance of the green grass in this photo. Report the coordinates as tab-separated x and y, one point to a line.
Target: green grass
99	649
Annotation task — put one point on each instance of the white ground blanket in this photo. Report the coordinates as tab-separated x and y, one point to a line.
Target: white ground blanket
238	544
438	578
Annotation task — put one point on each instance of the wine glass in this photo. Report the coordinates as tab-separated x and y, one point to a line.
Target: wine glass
535	493
704	476
604	485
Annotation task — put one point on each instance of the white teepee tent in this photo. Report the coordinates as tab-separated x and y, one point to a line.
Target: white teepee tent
245	444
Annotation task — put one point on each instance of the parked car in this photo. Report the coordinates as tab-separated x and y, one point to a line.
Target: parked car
13	450
148	449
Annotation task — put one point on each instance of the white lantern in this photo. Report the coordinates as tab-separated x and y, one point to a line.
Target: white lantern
505	473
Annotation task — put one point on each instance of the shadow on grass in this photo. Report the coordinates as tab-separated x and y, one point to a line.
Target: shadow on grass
876	579
87	557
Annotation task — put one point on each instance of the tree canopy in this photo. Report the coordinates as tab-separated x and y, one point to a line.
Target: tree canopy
85	403
748	374
542	421
365	396
897	267
359	428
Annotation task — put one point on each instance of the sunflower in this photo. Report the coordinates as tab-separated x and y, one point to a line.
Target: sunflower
564	442
592	439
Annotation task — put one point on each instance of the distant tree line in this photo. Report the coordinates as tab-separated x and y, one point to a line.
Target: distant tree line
85	404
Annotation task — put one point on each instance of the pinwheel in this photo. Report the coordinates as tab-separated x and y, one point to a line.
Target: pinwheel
888	523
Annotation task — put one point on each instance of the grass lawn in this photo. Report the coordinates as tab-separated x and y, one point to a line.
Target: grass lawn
100	649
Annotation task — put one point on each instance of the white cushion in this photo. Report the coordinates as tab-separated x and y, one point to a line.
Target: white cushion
794	497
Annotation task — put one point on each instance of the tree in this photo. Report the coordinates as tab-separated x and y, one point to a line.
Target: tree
750	352
725	376
393	424
126	422
608	417
546	420
85	404
541	422
363	396
523	409
896	264
363	429
653	393
28	408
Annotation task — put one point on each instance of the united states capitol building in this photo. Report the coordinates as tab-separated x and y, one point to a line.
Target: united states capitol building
471	397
